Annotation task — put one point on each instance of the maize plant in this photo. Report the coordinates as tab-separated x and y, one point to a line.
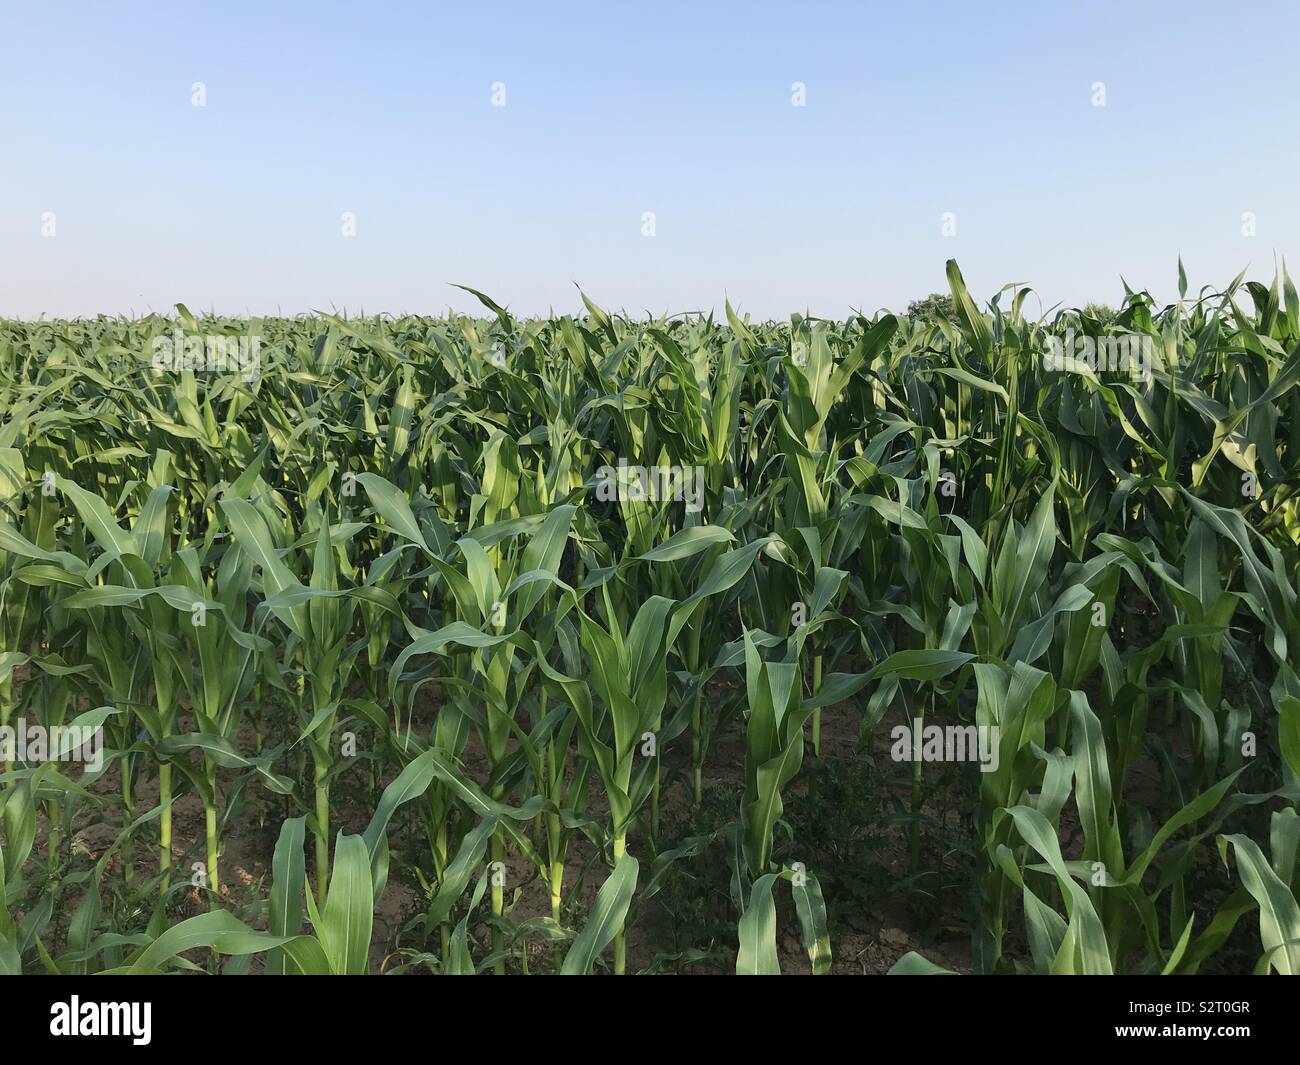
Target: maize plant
567	638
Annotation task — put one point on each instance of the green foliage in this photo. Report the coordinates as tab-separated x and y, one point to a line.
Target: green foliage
935	307
385	592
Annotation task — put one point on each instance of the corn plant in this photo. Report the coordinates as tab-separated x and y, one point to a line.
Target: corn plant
1079	531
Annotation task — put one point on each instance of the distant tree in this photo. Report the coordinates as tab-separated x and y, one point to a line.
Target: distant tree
1101	311
936	305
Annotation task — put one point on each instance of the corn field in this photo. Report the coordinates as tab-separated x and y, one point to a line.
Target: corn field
573	635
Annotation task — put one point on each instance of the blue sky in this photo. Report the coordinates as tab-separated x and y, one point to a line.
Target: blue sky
614	110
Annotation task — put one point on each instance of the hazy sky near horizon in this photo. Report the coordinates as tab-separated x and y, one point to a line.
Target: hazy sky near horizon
914	114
